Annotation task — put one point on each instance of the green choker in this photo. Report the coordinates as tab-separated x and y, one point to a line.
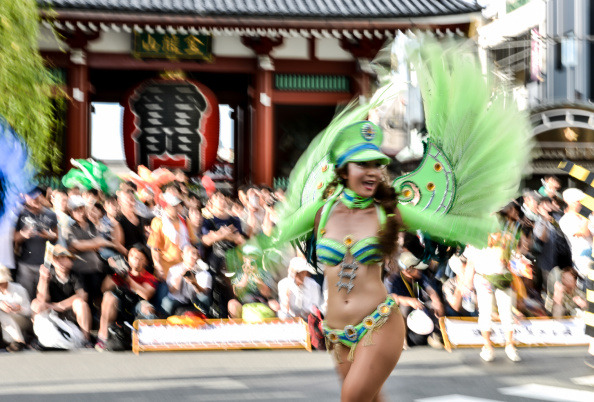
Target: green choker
354	200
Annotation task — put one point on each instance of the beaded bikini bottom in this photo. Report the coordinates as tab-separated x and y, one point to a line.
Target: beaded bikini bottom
352	334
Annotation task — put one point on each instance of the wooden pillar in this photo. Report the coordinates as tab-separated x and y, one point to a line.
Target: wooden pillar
77	131
263	139
263	136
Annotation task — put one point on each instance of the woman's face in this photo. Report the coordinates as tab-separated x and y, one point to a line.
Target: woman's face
79	214
364	177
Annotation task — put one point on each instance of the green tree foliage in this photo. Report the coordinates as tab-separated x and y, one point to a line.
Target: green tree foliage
26	85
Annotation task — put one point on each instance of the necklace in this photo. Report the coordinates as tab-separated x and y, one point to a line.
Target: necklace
347	271
354	200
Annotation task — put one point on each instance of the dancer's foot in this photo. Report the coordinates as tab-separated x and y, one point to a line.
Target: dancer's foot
512	353
487	354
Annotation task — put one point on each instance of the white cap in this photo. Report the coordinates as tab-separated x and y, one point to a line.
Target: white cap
300	264
408	260
76	201
171	199
573	195
455	264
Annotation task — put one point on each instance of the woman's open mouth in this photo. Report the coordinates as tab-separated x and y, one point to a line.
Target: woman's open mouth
369	185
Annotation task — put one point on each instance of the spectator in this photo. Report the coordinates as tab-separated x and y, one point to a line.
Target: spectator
189	285
60	204
458	293
412	290
15	312
61	290
130	226
35	226
254	212
298	293
107	228
84	239
91	197
576	229
220	232
530	206
195	227
563	296
128	290
169	235
550	246
550	187
251	285
492	280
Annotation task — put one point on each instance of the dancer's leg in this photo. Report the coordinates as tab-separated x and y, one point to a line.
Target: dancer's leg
372	364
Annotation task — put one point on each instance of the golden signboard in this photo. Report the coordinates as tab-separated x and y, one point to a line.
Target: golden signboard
172	46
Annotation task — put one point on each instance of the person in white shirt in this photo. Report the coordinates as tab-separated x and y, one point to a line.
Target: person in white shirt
577	230
15	311
485	265
298	293
189	284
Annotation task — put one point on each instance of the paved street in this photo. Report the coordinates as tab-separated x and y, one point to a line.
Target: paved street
423	375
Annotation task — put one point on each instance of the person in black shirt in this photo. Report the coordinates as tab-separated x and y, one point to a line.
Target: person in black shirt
220	233
130	229
35	225
62	291
412	290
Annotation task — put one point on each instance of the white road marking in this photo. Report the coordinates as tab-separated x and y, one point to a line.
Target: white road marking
97	387
251	396
549	393
455	398
588	380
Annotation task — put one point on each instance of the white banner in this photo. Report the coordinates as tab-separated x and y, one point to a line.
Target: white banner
464	332
160	335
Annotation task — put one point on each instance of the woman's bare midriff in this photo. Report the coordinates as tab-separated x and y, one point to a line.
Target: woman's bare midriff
351	308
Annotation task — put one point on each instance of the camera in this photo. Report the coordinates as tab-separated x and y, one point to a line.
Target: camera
121	266
189	274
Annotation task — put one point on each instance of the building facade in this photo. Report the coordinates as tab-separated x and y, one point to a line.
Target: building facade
543	51
282	67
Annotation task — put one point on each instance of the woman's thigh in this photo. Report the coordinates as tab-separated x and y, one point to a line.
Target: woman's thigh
373	364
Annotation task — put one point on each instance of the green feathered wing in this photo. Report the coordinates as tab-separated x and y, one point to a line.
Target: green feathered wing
476	153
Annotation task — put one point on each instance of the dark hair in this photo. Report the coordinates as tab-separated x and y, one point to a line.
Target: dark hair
110	199
99	207
92	191
385	196
552	177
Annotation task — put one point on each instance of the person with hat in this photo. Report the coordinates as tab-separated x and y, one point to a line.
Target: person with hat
298	292
355	231
576	229
413	291
36	225
15	311
61	290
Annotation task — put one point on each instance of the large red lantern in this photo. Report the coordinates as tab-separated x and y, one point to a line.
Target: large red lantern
173	124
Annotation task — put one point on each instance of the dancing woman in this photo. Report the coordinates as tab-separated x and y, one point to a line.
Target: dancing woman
339	205
356	230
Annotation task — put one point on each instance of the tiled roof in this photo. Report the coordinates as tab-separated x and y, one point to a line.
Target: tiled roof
356	9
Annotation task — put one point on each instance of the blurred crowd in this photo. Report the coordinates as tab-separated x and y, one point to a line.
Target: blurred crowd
116	259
